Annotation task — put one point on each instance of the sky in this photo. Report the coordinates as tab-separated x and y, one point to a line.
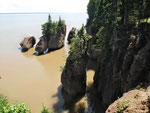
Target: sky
14	6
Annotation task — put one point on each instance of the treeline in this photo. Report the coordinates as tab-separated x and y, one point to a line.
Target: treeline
116	12
106	16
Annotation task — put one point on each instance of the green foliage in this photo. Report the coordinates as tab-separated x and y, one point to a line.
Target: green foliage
78	46
16	108
106	16
91	8
139	87
52	28
3	102
12	108
122	105
45	110
100	42
119	12
62	68
145	20
5	107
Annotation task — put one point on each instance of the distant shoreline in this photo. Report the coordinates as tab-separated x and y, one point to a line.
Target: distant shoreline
45	13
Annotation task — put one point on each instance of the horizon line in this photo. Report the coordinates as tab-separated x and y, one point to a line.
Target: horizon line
37	12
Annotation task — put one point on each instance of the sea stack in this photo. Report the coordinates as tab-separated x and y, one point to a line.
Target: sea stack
27	43
53	36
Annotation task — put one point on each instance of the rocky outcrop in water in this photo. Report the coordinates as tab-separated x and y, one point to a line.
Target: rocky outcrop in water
27	43
71	34
51	42
73	77
128	65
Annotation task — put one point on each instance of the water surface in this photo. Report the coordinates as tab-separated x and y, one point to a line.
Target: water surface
35	80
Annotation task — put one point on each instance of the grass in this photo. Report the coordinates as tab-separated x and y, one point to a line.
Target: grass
45	110
137	96
122	105
139	87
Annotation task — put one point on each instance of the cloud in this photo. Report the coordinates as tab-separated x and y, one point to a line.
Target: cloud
43	6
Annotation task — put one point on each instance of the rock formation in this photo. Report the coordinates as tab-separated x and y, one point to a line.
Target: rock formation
120	30
51	42
128	65
71	34
93	53
134	101
73	77
27	43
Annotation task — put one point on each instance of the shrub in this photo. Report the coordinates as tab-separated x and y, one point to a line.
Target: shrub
12	108
45	110
16	108
5	107
3	102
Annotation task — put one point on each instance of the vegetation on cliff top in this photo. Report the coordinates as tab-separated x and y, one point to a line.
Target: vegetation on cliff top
107	16
52	27
78	45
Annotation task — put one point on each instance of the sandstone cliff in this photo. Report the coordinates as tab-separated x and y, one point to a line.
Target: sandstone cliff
128	65
134	101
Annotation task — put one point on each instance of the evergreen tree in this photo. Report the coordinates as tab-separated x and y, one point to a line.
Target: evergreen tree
52	28
106	16
49	18
78	46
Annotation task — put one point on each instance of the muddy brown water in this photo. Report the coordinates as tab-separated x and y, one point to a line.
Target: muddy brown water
33	80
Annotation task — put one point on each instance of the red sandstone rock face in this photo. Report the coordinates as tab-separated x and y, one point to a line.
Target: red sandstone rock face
139	102
27	43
